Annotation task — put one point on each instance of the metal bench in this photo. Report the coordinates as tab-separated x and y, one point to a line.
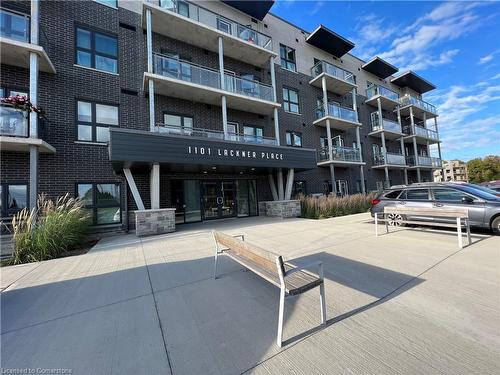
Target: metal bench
461	217
292	280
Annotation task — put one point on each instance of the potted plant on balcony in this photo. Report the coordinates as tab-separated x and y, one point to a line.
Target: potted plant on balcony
22	103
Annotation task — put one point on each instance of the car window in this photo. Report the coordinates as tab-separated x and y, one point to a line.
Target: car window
416	194
393	194
449	195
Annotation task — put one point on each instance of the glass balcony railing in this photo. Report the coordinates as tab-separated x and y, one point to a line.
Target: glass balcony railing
423	161
389	125
13	122
411	100
189	72
14	26
324	67
337	111
389	158
216	21
214	134
421	132
382	91
348	154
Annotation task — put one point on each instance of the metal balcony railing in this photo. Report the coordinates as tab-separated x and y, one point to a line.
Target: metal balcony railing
349	154
411	100
389	125
193	73
216	21
389	158
375	90
324	67
13	122
421	132
214	134
423	161
337	111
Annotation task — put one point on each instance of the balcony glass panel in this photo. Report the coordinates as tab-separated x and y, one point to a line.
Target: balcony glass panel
424	161
337	111
348	154
421	132
14	26
247	87
13	122
389	125
411	100
389	158
324	67
382	91
214	134
216	21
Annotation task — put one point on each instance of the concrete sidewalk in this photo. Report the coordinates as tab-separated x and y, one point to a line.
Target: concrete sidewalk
408	302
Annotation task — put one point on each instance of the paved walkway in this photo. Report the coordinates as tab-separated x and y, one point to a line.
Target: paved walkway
405	303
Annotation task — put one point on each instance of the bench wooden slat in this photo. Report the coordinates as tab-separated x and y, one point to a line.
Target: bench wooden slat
436	212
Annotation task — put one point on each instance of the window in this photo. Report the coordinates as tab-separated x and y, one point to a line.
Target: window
14	25
103	201
13	198
224	25
252	134
290	100
96	50
415	194
449	195
287	55
323	141
176	124
6	92
299	187
94	120
109	3
293	139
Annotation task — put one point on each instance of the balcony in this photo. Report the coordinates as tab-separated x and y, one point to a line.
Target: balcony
390	128
341	118
422	135
340	156
419	107
201	27
14	131
389	160
424	162
388	99
214	134
185	80
15	45
338	80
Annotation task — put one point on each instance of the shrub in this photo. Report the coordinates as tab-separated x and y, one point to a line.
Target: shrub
331	206
49	230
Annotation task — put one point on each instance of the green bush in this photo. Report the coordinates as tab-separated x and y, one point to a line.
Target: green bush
49	230
332	206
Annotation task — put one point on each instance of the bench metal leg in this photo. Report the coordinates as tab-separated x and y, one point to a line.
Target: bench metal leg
376	224
216	245
279	337
468	231
322	300
459	232
386	226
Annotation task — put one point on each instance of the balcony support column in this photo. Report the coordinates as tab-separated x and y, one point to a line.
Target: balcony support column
151	89
362	178
362	172
221	63
325	112
273	77
332	179
33	97
412	121
272	185
354	104
154	189
281	191
224	116
149	40
406	176
289	184
276	126
33	187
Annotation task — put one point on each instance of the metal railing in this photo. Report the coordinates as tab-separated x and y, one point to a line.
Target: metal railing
324	67
337	111
424	161
13	122
14	26
349	154
186	71
389	125
389	158
411	100
421	132
217	21
375	90
214	134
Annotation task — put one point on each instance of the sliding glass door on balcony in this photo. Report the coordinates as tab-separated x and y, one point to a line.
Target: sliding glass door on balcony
14	26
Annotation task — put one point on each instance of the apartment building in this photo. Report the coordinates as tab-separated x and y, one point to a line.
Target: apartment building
207	107
453	170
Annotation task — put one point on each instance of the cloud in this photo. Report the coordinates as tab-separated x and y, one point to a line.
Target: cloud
316	8
372	31
485	59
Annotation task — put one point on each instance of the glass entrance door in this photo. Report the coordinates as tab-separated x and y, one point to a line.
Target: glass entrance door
218	199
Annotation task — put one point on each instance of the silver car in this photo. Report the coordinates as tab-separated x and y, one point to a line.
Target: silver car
483	205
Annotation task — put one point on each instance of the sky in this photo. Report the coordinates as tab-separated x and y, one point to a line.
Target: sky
455	45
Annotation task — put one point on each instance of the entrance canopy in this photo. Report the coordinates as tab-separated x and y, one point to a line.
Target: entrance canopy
138	150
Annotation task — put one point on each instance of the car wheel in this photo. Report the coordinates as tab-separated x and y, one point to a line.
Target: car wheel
395	220
495	226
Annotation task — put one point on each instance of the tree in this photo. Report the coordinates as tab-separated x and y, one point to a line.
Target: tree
483	170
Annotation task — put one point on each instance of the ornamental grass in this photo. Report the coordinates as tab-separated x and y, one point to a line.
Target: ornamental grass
331	206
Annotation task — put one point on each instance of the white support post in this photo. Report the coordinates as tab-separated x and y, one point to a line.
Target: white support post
221	63
376	224
216	245
152	125
279	336
276	126
273	77
133	189
272	185
33	187
289	184
33	97
281	191
325	112
354	104
155	186
362	177
362	172
149	40
332	179
322	300
459	232
224	116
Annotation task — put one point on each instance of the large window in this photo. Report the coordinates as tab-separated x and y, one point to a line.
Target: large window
109	3
290	100
293	139
13	198
253	133
299	188
102	201
287	55
96	50
176	124
94	120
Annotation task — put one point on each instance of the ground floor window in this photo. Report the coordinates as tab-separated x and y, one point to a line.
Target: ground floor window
299	187
13	198
102	200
